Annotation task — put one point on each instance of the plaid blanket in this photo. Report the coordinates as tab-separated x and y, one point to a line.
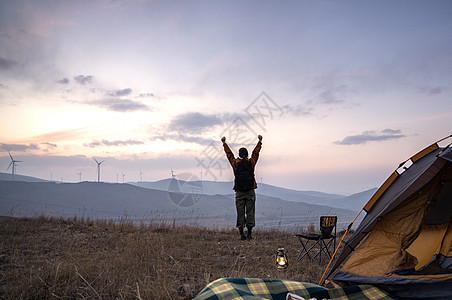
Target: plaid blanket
256	288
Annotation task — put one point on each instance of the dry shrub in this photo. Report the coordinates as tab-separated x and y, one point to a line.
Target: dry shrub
82	258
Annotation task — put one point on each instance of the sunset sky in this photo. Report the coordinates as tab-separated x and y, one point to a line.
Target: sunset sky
342	91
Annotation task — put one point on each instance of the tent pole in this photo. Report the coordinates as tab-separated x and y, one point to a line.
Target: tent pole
337	248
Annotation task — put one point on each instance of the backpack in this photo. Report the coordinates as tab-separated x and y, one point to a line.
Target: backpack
244	175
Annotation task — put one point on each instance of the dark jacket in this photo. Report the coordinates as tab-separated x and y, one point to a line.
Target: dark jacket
233	161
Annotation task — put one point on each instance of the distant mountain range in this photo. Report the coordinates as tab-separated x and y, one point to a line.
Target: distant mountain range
225	187
353	202
206	203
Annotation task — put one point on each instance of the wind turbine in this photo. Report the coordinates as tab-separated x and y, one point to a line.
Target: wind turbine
172	174
141	176
98	168
123	177
13	164
80	175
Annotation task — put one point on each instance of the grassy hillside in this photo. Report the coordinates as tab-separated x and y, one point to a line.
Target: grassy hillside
111	201
17	177
73	258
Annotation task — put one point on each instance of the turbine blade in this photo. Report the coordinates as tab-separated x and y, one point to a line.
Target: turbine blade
10	155
9	166
95	160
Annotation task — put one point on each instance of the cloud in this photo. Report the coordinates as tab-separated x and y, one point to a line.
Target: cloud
82	79
297	110
333	94
391	131
48	146
63	81
60	135
197	122
430	90
6	64
30	147
180	137
120	105
120	93
189	127
107	143
371	136
146	95
18	147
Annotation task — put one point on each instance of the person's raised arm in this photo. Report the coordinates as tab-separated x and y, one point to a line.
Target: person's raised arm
257	149
228	151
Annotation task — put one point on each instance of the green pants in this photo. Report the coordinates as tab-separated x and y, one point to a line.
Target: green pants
245	204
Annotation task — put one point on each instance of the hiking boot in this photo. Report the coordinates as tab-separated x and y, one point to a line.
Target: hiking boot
242	235
248	234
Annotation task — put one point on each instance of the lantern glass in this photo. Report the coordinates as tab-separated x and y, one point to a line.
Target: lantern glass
281	259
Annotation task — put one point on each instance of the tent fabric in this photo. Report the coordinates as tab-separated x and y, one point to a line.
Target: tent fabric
446	262
447	154
441	209
259	289
446	248
417	175
406	237
385	248
406	288
427	244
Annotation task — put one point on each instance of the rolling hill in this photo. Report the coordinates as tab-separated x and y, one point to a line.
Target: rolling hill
116	201
353	202
225	187
9	177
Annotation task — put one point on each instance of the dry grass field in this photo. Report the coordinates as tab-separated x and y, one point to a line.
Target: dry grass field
56	258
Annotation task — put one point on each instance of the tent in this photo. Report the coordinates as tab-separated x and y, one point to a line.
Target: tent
404	243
